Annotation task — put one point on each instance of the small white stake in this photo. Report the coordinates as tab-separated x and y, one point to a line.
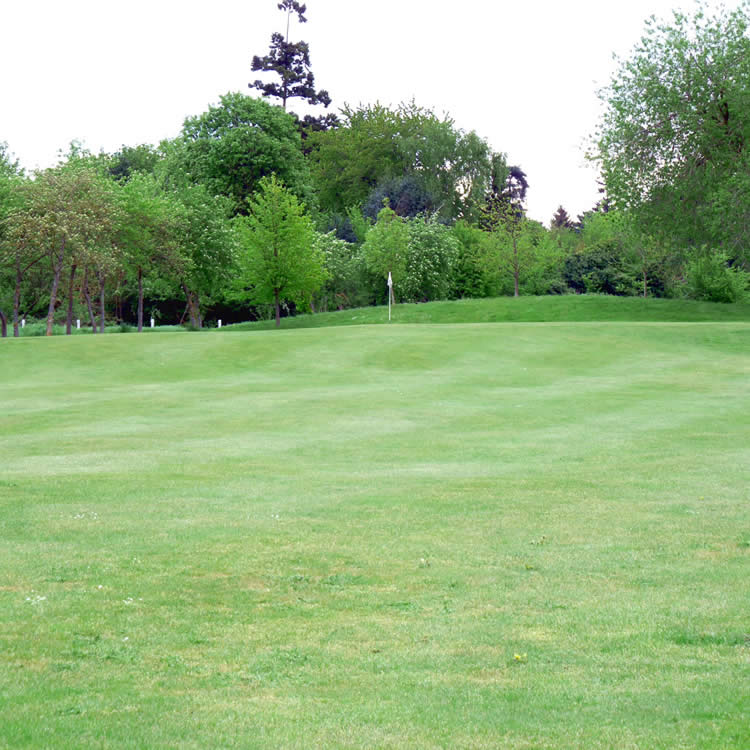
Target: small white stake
152	322
78	325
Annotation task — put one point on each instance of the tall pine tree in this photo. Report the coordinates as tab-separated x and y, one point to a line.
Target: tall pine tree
290	61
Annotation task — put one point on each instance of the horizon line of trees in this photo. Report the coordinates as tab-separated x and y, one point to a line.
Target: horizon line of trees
252	210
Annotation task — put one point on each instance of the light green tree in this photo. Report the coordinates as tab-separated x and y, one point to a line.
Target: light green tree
385	250
673	142
279	257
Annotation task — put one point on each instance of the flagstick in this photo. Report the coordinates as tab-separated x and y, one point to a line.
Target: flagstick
390	294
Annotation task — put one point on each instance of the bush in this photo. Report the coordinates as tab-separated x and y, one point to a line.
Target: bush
431	255
709	276
600	270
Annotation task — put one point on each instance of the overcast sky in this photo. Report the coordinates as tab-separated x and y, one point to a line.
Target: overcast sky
523	75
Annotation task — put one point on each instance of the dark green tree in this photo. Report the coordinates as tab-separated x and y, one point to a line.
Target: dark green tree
232	146
561	220
290	61
375	145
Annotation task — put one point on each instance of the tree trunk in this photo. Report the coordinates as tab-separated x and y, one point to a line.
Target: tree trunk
102	280
198	316
17	300
69	319
645	283
87	297
140	300
277	307
3	325
516	271
193	307
53	291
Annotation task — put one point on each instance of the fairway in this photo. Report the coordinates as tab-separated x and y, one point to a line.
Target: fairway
497	535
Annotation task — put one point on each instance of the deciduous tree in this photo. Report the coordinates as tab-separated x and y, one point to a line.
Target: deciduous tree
280	259
673	142
232	146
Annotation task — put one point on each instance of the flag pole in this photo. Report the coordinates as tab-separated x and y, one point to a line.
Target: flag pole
390	294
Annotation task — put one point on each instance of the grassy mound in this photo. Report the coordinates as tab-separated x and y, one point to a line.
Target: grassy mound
410	536
568	308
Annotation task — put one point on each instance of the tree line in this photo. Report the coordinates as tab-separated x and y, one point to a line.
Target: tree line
252	210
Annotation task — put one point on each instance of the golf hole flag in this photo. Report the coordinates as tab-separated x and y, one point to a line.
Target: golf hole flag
390	293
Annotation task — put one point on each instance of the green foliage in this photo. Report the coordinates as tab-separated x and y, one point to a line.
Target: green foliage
385	250
561	220
343	287
469	268
375	144
360	224
709	276
130	160
599	270
69	214
432	253
280	258
231	147
208	247
672	144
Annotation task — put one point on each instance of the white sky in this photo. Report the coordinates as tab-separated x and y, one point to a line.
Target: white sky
523	75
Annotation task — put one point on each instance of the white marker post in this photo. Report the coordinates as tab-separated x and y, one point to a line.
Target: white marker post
23	322
78	324
219	322
152	322
390	293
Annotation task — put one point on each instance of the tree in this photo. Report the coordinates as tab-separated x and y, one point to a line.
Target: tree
131	159
432	253
385	250
375	145
10	174
206	257
561	220
673	141
231	147
149	233
504	216
291	62
280	259
66	211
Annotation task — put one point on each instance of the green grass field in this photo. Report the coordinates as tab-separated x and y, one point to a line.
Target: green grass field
474	535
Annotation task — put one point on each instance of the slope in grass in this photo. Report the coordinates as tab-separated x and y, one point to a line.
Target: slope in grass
567	308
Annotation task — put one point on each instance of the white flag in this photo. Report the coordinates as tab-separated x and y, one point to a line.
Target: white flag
390	281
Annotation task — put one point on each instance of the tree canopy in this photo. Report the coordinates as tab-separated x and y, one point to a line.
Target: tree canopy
233	145
280	259
673	141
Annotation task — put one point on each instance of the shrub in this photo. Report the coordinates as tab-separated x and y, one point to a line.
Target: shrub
709	276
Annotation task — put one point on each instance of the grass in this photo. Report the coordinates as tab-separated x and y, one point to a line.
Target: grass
567	308
501	535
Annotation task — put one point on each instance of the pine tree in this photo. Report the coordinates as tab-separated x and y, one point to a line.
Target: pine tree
291	62
561	220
